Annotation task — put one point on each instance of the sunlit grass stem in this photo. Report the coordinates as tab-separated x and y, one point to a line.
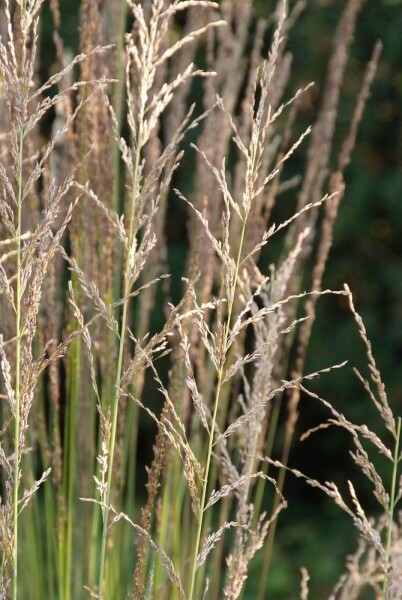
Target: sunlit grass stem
123	328
17	369
214	416
392	503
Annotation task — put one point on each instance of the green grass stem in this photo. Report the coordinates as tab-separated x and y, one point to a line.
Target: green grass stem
123	328
392	503
17	423
215	413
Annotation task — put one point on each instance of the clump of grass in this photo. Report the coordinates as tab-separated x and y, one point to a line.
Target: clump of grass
84	266
376	563
34	240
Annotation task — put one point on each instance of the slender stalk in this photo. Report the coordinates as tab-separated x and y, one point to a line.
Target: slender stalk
74	387
142	93
116	32
216	404
116	13
115	408
105	510
392	507
205	485
226	503
250	193
17	372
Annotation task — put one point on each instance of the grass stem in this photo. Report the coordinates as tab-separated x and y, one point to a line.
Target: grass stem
214	416
17	370
392	507
123	328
